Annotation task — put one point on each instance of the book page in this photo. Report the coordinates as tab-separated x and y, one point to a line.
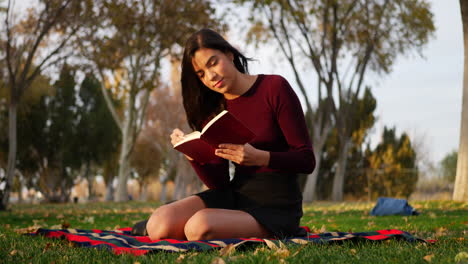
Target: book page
214	120
188	137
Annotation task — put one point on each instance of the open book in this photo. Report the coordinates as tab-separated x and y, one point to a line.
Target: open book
223	128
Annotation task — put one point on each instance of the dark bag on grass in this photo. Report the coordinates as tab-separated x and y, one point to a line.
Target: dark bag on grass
392	206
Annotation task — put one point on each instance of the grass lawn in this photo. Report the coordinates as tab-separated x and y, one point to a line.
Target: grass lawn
445	221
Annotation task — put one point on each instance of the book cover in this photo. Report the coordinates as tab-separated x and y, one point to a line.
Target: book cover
223	128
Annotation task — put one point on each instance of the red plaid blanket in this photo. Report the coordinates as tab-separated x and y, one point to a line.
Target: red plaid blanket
121	241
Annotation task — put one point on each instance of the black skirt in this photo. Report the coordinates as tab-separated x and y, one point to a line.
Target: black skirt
273	199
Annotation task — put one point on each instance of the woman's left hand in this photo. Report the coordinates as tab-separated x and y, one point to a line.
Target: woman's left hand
243	154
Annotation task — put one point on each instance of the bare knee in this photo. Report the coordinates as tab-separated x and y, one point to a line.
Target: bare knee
161	223
199	226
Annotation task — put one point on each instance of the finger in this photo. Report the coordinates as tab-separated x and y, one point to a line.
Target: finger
178	132
227	156
230	146
229	152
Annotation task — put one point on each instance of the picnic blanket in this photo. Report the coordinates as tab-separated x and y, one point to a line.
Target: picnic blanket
121	241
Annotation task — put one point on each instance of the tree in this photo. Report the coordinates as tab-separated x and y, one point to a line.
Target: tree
341	41
126	53
449	166
460	192
393	170
98	133
361	121
30	46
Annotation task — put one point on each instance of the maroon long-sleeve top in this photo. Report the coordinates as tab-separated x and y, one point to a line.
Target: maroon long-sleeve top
271	109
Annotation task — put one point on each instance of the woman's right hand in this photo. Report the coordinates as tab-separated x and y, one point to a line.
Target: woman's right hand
176	136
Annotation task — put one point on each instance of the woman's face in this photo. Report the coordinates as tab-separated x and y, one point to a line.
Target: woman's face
215	69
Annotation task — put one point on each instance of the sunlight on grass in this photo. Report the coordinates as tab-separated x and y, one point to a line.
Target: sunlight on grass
444	221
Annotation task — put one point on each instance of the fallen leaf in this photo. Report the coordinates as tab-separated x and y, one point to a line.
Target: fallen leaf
461	257
218	261
323	229
428	258
441	231
353	251
46	248
13	252
89	219
227	250
235	258
180	258
297	251
65	225
259	249
282	253
55	227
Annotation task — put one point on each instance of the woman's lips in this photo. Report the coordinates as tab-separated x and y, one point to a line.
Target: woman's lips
219	83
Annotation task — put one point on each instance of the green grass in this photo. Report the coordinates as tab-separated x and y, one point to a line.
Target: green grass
445	221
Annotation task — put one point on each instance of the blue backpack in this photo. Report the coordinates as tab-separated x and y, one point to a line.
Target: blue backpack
392	206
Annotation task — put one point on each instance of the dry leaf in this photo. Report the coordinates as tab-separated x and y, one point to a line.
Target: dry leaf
65	225
259	249
89	219
235	258
428	258
56	227
13	252
218	261
353	251
371	223
461	257
282	253
180	258
297	251
442	231
227	250
46	248
323	229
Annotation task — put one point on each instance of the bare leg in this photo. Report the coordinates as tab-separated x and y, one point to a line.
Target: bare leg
168	221
222	223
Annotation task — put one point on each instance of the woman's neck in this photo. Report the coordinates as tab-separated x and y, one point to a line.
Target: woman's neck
242	85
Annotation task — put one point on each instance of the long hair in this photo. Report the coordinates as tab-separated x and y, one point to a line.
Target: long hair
200	102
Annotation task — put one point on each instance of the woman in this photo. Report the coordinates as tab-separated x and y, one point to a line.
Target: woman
263	199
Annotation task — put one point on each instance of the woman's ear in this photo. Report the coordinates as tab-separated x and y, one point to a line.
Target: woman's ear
229	55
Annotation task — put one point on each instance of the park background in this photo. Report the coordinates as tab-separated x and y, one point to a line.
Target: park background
94	121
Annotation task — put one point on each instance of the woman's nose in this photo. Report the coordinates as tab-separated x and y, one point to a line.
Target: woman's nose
211	75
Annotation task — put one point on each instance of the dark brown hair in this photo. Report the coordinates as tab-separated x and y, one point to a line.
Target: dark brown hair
200	102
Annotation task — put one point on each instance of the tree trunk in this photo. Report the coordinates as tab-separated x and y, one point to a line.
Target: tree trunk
309	189
90	179
460	192
338	180
11	167
163	177
109	192
127	144
318	142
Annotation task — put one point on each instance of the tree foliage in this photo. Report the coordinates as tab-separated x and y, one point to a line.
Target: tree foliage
393	166
126	52
342	41
449	166
32	44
